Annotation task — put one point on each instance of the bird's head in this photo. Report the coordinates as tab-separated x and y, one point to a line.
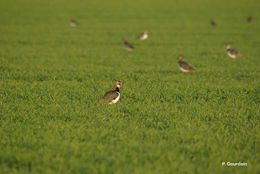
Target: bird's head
180	57
118	84
227	46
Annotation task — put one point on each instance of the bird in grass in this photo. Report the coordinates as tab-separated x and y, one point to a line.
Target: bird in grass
112	96
213	23
184	66
249	19
73	23
231	52
143	36
128	46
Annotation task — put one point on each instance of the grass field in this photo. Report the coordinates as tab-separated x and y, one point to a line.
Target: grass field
51	76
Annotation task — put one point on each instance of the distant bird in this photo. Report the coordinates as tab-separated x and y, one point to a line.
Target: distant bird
143	36
73	23
184	66
249	19
128	46
112	96
213	23
231	52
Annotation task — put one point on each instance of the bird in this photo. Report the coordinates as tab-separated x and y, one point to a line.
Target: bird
231	52
143	36
112	96
249	19
213	23
184	66
73	22
128	46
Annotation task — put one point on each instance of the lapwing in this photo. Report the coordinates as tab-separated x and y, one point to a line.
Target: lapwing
112	96
143	36
184	66
213	23
231	52
73	23
128	46
249	19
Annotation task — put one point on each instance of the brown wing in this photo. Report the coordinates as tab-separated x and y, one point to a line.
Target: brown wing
109	96
73	21
232	51
185	65
128	45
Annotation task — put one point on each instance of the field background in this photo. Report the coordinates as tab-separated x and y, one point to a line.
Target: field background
51	76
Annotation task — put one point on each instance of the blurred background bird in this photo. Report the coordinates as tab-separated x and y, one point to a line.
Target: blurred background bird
213	23
73	22
143	36
249	19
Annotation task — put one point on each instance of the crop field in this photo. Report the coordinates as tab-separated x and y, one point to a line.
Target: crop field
52	75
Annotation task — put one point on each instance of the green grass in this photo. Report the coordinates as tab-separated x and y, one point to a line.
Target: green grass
165	122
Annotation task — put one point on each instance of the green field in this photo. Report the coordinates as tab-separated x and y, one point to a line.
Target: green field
51	76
